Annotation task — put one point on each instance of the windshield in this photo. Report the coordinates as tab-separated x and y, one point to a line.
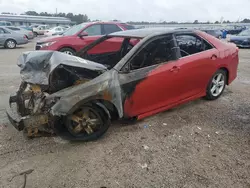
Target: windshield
245	33
75	29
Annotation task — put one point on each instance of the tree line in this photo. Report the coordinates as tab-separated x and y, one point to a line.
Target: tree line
79	18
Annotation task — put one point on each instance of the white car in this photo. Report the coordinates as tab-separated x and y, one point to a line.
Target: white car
54	31
40	30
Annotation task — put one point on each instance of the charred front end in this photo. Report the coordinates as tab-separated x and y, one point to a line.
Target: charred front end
43	74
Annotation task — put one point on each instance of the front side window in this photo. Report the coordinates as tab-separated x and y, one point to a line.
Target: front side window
93	30
156	52
190	44
110	28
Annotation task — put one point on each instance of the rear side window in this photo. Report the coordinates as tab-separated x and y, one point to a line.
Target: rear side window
128	27
8	24
191	44
111	28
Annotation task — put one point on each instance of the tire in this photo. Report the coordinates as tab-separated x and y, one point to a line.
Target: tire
10	44
64	129
216	85
35	34
68	51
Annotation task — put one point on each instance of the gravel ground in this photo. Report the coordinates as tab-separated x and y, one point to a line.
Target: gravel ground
199	144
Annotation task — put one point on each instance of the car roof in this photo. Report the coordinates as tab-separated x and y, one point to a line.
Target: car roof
141	33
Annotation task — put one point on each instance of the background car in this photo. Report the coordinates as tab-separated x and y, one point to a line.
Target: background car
26	27
214	32
234	29
54	31
75	38
28	34
40	30
9	39
241	40
4	23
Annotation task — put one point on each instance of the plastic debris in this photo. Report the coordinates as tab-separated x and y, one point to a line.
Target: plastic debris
145	126
208	136
143	166
217	132
199	128
145	147
165	124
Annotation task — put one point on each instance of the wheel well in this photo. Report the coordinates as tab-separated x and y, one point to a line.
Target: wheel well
67	47
112	110
227	72
8	40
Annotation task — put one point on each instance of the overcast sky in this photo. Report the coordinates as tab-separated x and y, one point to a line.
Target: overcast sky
138	10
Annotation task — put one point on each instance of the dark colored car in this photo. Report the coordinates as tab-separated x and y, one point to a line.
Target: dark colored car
214	32
77	97
234	29
241	40
75	38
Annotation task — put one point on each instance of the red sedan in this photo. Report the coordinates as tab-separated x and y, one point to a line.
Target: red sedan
81	35
78	97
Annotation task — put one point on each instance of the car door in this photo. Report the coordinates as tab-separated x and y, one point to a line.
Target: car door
94	32
196	65
154	84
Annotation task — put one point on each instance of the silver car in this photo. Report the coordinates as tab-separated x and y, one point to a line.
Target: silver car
28	34
9	39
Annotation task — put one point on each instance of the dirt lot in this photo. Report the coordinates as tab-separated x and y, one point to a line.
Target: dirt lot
199	144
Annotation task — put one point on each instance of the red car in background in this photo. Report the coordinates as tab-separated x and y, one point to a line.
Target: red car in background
81	35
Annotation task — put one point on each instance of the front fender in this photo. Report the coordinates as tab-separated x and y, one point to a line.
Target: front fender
71	99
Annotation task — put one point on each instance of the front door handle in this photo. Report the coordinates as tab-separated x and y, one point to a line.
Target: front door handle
175	69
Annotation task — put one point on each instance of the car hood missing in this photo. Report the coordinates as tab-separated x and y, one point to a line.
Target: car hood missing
36	66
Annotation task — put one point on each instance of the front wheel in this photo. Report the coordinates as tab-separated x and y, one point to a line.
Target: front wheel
68	51
216	85
87	123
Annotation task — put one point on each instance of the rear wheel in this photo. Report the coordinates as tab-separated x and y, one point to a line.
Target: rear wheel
68	51
87	123
216	85
35	34
10	43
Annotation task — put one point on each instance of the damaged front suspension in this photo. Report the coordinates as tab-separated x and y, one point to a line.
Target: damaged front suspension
29	113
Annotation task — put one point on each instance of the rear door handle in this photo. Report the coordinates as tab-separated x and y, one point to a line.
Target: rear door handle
213	57
175	69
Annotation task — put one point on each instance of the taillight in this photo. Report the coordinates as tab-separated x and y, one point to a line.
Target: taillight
25	37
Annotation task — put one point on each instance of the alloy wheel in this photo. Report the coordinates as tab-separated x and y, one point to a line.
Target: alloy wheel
11	44
68	52
218	84
85	121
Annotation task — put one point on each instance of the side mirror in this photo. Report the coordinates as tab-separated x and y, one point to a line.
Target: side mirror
83	34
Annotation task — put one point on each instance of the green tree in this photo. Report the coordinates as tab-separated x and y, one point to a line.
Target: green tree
32	13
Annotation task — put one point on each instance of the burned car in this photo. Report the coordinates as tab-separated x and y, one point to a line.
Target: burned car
77	97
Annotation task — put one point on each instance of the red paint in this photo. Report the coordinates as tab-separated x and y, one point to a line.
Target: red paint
183	80
75	42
